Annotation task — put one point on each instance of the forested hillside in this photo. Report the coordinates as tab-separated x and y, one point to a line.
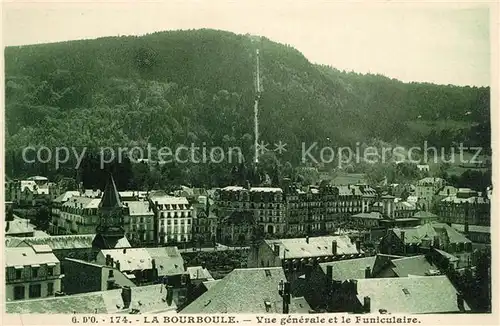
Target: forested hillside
197	86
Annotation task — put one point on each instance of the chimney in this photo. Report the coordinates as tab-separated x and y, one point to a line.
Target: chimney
436	243
153	264
329	273
307	239
117	263
366	304
308	270
354	286
170	294
403	235
334	247
156	204
276	249
358	245
460	302
108	259
124	250
368	272
126	296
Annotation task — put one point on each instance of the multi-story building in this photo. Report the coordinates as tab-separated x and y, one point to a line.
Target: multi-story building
140	222
31	272
78	215
266	204
425	190
56	209
205	223
33	191
466	204
174	219
294	211
417	240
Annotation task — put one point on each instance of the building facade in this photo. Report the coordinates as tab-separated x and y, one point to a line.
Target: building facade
31	272
174	219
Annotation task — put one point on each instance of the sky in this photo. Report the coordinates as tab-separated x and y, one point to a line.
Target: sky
441	43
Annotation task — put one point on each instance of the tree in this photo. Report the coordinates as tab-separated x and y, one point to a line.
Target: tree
43	218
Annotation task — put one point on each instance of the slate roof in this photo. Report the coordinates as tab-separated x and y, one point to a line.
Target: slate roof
23	256
447	255
349	269
209	284
80	201
139	208
66	196
426	294
371	215
19	226
471	200
60	242
317	246
415	265
243	291
472	228
110	197
150	297
168	260
198	272
429	230
423	214
131	259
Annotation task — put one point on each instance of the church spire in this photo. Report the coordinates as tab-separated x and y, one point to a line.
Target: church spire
111	228
110	197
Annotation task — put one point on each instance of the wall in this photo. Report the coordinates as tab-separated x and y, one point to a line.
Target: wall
26	280
81	277
9	289
263	256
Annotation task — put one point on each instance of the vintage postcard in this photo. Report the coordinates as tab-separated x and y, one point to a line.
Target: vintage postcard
249	162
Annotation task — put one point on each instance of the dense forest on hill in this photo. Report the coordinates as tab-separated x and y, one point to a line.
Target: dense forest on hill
197	86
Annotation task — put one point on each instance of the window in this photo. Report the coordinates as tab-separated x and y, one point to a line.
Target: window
50	289
110	273
19	274
50	271
19	293
35	291
34	272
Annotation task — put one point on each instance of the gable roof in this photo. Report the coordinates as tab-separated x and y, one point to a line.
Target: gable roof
145	298
317	246
198	272
415	265
242	291
168	260
131	259
19	226
23	256
415	235
349	269
424	294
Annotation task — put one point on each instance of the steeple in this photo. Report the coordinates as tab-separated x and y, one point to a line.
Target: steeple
110	197
110	229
